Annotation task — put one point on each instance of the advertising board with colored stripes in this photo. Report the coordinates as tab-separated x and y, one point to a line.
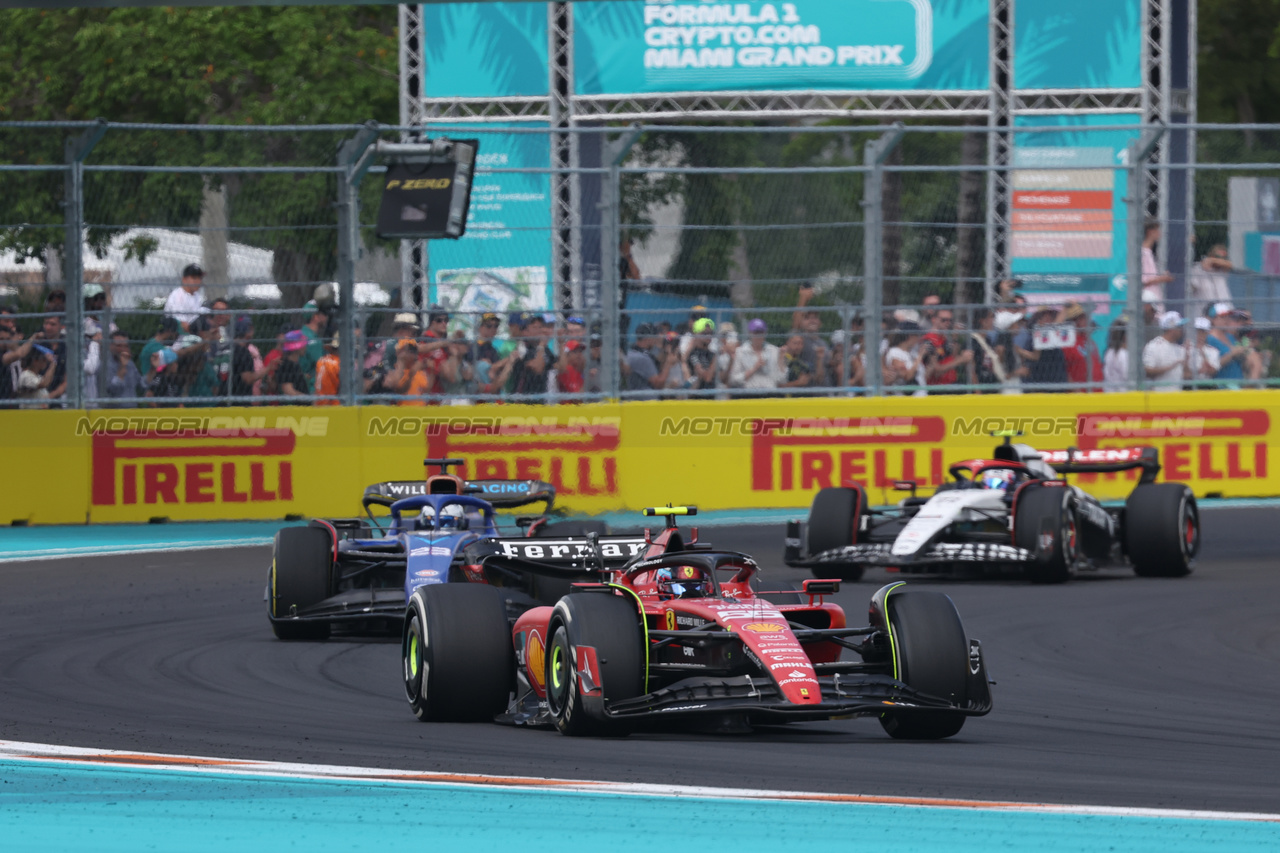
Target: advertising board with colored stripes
259	463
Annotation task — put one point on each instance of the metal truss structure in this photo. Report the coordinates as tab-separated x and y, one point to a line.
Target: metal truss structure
999	141
566	183
1157	101
413	73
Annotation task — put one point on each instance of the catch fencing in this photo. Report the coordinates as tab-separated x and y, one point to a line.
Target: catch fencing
801	233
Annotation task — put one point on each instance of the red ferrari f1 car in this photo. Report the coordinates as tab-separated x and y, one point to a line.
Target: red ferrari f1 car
661	628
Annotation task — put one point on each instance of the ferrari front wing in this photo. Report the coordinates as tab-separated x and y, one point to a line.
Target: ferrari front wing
761	700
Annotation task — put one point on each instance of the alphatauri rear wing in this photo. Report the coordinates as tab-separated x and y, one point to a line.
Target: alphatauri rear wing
1108	460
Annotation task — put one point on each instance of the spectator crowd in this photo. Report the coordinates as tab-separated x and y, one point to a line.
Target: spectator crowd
201	353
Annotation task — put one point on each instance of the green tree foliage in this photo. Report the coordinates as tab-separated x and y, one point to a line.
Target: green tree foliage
1239	75
1239	81
800	226
206	66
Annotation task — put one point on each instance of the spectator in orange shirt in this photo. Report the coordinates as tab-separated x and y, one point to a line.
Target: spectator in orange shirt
327	373
401	378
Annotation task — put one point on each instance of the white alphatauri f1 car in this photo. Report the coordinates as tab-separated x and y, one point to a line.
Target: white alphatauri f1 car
1015	512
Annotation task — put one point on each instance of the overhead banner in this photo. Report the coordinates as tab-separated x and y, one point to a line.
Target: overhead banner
503	262
655	46
246	463
1084	44
464	59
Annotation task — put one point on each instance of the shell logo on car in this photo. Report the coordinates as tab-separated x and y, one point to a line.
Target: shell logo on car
764	627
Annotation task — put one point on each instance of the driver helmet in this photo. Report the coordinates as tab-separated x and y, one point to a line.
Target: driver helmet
998	478
452	515
682	582
426	519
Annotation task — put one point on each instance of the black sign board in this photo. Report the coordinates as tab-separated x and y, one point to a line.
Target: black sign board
428	200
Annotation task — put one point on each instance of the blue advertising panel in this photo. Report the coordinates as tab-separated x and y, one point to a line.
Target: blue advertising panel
1069	224
503	262
653	46
486	50
1084	44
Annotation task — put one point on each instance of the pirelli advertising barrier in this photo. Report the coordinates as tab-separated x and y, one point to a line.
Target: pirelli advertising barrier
114	466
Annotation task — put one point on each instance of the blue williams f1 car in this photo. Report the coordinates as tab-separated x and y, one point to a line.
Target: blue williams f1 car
361	572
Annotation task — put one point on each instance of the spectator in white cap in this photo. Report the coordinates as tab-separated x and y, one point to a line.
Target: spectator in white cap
1202	359
186	303
405	326
1165	359
1233	353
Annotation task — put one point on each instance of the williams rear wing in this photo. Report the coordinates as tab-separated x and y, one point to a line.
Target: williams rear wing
509	494
501	494
1109	460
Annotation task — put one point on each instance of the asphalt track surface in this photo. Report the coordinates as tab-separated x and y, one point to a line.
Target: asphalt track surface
1112	690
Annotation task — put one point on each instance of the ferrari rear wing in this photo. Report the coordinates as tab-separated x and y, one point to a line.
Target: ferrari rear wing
1108	460
570	556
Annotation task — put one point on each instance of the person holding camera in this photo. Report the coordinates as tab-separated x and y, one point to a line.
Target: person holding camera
645	370
38	374
700	363
798	371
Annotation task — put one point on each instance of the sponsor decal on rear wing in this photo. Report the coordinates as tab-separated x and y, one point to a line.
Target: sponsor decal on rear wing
501	494
554	556
1105	460
508	494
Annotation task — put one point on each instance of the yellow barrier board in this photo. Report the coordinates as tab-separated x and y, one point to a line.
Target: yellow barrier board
246	463
778	453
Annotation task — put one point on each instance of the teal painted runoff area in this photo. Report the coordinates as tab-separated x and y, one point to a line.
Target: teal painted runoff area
26	543
45	542
52	807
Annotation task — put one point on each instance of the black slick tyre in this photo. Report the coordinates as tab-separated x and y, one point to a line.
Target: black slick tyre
1161	530
1045	524
300	577
595	657
932	656
834	519
457	659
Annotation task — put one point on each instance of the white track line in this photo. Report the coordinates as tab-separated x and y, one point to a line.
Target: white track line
159	548
102	758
